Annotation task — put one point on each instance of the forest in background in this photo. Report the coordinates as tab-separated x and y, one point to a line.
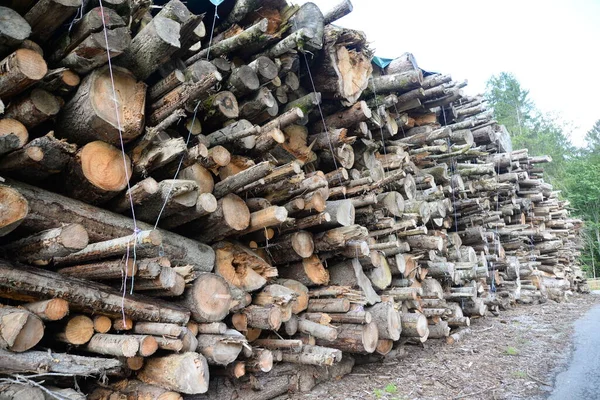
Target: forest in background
574	170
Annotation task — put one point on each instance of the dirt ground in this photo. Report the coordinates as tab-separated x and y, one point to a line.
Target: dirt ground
516	355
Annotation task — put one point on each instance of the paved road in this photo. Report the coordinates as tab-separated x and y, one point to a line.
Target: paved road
581	380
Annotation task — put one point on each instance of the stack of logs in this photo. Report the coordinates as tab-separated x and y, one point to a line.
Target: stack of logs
251	202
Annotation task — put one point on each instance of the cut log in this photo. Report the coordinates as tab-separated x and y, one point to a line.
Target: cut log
185	373
33	108
231	216
14	29
414	325
48	310
44	361
44	246
292	247
13	209
386	319
13	135
78	330
49	210
22	69
350	273
85	294
205	308
240	266
91	115
310	272
221	349
20	329
352	338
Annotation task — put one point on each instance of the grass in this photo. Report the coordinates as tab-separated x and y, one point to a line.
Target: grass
389	389
519	374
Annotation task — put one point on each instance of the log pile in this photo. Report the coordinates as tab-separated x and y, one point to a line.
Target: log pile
239	214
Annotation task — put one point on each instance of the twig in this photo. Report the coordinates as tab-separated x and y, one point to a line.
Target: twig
533	378
475	393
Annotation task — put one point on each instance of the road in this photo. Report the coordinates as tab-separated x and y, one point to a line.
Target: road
581	379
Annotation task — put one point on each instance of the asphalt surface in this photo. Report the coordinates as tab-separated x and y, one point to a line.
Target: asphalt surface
581	379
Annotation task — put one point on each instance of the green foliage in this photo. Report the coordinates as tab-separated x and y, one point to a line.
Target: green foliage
511	351
378	393
391	388
541	134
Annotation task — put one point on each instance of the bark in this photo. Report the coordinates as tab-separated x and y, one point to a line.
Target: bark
48	15
185	373
352	338
90	114
23	68
33	108
49	210
39	159
14	209
13	135
20	329
44	246
221	349
85	294
44	361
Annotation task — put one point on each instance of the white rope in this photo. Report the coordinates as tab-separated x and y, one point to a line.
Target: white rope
124	156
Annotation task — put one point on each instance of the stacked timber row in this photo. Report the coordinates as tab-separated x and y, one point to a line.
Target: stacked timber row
242	220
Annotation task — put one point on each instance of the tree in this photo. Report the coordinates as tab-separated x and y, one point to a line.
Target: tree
541	134
511	103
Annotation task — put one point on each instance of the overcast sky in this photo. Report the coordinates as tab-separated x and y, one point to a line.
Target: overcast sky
552	47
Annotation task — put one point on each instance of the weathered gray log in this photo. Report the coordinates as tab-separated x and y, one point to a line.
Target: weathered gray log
50	210
87	295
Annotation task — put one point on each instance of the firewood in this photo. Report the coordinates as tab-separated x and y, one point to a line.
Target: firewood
39	159
90	114
32	361
44	246
34	108
13	135
116	345
80	293
20	329
14	208
48	310
221	349
78	330
23	68
185	373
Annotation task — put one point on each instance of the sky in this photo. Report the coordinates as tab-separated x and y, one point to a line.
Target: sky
551	46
